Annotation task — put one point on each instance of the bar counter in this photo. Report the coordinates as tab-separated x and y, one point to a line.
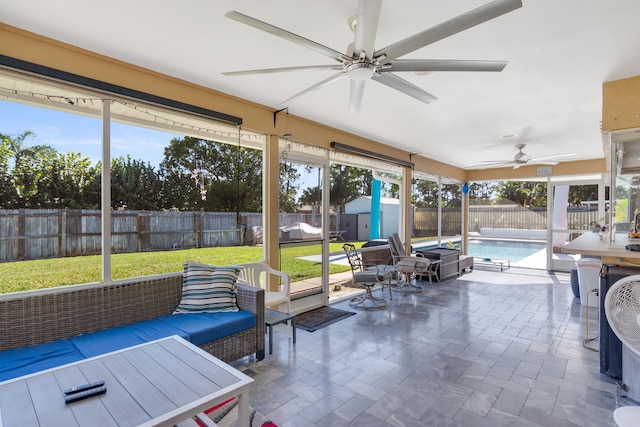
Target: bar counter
591	244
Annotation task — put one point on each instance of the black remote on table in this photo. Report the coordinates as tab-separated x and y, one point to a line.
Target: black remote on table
84	387
85	394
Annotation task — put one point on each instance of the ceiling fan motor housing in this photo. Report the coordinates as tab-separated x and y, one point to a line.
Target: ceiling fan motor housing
361	70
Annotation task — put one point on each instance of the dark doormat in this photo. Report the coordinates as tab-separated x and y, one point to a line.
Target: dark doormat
320	317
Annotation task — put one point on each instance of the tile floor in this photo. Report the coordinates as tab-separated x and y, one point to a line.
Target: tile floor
485	349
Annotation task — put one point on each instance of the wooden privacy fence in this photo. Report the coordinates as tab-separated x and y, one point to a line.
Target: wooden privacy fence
53	233
48	233
513	217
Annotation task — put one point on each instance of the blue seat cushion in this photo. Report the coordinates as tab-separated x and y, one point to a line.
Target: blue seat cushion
112	339
206	327
198	328
27	360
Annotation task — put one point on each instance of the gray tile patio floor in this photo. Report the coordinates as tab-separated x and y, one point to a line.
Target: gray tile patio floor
484	349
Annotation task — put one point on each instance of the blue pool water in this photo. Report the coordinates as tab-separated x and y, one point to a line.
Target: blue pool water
504	249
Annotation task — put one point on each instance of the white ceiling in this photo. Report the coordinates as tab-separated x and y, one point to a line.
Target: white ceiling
549	95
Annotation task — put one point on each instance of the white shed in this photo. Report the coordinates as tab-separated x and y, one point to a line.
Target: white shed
389	215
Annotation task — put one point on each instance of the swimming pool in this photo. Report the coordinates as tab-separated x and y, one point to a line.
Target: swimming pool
513	250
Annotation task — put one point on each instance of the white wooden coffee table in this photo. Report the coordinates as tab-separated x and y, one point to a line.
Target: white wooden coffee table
160	383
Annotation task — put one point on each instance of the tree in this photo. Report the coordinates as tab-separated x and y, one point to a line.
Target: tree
525	193
211	176
289	176
388	189
580	193
427	193
135	184
92	194
482	193
28	166
348	183
451	196
67	180
8	194
310	196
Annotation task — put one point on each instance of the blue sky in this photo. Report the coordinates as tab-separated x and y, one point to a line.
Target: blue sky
67	132
72	132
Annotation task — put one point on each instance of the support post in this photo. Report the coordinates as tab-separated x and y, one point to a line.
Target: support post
106	191
271	208
374	230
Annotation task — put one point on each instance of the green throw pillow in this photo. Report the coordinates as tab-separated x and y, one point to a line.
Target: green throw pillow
208	288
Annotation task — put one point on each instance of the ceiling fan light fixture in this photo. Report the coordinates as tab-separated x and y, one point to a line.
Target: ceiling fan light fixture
361	70
425	73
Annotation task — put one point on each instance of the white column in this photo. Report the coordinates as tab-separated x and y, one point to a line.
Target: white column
326	200
439	211
560	204
106	191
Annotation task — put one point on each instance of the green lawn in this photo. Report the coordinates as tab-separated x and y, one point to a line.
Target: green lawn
48	273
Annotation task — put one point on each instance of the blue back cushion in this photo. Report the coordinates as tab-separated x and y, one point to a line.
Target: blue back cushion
205	327
27	360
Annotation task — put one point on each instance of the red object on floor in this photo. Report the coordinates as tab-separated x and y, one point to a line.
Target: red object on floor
269	424
219	405
210	410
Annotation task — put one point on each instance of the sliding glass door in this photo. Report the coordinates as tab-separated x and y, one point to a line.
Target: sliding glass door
304	223
575	206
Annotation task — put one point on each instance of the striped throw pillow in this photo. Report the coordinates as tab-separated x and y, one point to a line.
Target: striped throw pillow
208	288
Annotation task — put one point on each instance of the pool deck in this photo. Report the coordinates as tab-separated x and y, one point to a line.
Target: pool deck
537	261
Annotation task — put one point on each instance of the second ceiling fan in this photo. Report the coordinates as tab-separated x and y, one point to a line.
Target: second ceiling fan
521	158
362	62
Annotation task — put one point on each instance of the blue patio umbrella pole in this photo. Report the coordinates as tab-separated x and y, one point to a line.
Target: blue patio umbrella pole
374	231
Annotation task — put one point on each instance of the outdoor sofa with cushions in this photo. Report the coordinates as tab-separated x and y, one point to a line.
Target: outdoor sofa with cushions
47	328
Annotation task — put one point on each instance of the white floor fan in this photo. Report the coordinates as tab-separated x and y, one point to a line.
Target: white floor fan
622	308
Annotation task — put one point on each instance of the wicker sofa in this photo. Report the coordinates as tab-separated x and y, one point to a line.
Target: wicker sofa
53	316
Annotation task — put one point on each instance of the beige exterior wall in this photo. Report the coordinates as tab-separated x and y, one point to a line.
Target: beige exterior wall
580	167
621	104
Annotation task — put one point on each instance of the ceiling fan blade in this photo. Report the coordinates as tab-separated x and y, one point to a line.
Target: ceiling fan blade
316	86
555	156
284	34
283	70
404	86
356	92
543	162
418	65
448	28
366	27
490	165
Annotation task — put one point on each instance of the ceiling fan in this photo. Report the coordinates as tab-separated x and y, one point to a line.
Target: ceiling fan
521	158
362	62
